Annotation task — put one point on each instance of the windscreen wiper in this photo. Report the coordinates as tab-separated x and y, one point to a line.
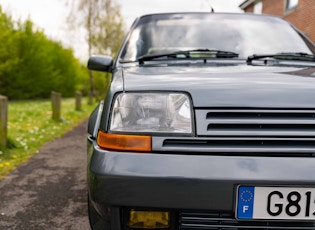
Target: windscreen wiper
284	56
195	53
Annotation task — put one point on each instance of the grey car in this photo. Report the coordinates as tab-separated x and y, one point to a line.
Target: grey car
208	123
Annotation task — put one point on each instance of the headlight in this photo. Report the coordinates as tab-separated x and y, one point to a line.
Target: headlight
152	112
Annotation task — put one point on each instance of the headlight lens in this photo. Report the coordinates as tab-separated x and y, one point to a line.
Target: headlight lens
152	112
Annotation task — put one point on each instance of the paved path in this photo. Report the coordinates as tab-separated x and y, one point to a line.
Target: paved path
49	192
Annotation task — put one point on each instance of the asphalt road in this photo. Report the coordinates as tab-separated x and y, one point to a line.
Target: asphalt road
49	192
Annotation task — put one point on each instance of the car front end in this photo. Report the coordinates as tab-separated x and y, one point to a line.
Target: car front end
199	141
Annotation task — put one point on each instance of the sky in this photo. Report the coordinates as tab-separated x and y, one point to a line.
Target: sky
50	15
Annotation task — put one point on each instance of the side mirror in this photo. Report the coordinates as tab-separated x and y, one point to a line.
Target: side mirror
100	63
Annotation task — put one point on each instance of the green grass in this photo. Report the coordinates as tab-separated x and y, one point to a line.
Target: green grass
30	126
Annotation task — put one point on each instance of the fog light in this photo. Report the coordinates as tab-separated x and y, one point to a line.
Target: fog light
149	219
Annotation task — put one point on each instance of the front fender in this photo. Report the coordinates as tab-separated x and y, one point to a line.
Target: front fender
94	120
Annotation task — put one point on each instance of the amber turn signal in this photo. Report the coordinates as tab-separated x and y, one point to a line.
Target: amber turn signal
124	142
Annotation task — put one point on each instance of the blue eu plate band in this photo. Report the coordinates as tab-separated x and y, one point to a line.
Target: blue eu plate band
245	202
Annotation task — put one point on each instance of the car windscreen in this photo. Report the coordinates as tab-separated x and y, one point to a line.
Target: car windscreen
240	33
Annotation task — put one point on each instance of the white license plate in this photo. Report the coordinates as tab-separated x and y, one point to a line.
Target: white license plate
278	203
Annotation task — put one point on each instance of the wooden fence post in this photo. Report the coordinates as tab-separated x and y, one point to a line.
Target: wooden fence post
78	98
3	121
56	105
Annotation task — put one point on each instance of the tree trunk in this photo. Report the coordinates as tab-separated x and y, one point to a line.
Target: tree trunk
92	86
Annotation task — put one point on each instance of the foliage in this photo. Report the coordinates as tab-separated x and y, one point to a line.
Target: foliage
32	65
102	22
30	126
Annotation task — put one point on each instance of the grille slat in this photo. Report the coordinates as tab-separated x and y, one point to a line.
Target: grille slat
280	114
192	220
236	145
235	121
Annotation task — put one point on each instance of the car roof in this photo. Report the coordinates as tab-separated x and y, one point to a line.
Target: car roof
212	13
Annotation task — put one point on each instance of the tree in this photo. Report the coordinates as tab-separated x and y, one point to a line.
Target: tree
8	57
32	65
103	24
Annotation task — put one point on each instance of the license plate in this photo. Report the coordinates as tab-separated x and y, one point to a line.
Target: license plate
275	203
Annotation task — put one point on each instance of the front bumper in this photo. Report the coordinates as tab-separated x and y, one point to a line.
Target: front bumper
185	182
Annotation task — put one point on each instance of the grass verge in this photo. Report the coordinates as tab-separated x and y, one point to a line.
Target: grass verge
30	126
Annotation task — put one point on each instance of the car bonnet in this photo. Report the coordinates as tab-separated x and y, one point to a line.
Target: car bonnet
229	86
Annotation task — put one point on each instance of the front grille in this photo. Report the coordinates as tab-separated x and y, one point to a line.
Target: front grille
201	220
248	132
255	122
